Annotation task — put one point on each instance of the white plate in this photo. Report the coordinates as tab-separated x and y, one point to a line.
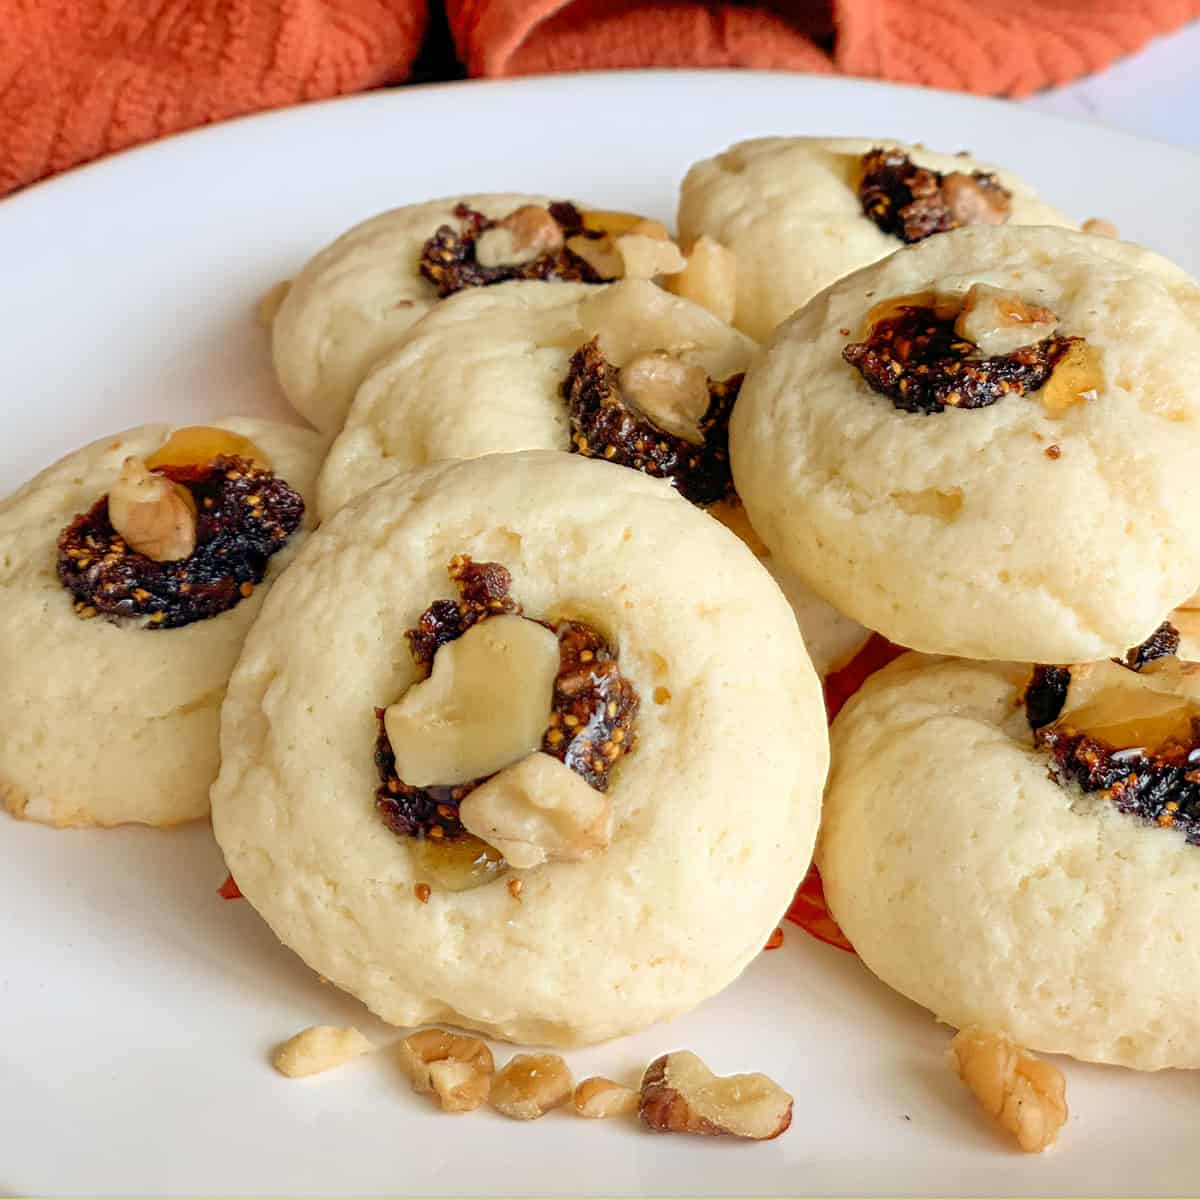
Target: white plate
137	1008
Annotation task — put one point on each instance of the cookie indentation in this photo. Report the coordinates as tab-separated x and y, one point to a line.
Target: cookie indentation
592	711
1128	729
244	515
450	259
912	202
916	358
606	424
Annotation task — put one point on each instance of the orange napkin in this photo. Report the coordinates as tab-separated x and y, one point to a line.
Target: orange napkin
81	78
1005	47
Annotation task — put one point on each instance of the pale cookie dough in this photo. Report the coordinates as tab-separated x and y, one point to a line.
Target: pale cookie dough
972	882
483	374
1002	531
107	723
353	300
788	208
690	886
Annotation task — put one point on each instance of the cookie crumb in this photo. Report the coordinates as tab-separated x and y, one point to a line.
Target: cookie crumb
1053	451
318	1048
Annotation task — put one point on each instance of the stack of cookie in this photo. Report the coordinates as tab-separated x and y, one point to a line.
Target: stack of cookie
525	740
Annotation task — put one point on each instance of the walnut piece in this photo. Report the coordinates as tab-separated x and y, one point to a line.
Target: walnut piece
681	1095
1000	322
599	253
450	1066
709	279
672	393
646	255
538	811
320	1048
1026	1095
600	1098
640	251
527	233
1099	227
971	203
485	705
528	1086
155	516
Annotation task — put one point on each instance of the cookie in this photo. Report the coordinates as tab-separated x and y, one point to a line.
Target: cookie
963	495
661	613
111	718
792	211
978	870
353	300
485	373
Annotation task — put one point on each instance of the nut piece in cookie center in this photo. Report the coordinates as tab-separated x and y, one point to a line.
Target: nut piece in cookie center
527	233
999	322
154	515
672	393
486	704
538	811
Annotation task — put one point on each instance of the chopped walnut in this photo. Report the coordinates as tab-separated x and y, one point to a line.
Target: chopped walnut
971	200
638	254
646	255
709	279
524	235
1026	1095
454	1068
1000	322
600	1098
672	393
537	811
600	254
529	1085
681	1095
155	516
485	705
320	1048
913	202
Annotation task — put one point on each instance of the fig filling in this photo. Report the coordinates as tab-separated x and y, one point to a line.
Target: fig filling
912	202
244	515
592	712
606	424
449	262
916	358
1128	729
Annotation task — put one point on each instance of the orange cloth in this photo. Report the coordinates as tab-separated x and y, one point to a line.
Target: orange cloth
1007	47
81	78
